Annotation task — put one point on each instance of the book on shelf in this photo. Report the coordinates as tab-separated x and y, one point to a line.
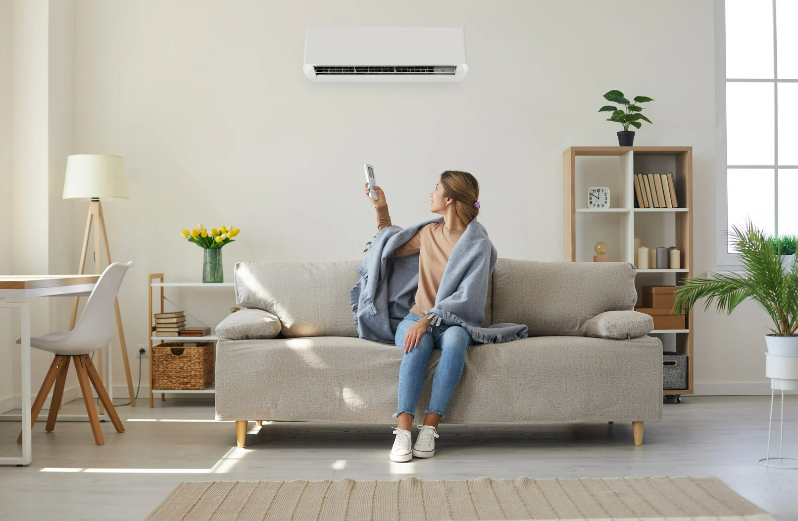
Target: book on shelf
651	200
196	331
666	190
672	190
658	186
638	193
173	320
177	328
173	314
167	333
646	200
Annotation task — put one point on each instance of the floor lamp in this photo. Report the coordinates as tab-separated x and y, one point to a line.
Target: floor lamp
98	177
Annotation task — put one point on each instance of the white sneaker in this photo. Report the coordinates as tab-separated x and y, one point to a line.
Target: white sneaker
425	443
401	446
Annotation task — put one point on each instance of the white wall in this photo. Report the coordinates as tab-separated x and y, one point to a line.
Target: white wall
207	103
6	386
36	103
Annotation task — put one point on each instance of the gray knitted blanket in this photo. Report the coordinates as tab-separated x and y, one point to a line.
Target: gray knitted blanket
387	287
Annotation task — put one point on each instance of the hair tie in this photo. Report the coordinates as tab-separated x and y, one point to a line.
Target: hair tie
476	204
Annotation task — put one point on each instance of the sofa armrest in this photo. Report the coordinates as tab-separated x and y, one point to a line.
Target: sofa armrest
620	325
248	324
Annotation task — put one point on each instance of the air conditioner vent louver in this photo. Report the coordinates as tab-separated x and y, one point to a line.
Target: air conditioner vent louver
392	70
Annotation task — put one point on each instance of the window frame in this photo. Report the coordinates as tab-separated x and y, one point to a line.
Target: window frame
726	260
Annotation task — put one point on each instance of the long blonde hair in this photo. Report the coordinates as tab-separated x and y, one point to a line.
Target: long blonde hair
464	189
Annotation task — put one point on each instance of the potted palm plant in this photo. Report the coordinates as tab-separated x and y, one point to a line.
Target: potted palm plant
764	278
629	117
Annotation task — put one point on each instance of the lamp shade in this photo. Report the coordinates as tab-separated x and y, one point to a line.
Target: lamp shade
90	176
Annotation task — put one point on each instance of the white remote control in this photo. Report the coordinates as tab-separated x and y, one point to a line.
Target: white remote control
371	181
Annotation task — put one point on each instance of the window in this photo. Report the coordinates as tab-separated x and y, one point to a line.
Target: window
758	106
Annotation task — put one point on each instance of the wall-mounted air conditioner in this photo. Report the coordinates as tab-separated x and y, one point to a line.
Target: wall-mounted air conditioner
385	54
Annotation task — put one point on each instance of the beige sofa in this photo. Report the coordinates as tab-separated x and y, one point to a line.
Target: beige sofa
293	353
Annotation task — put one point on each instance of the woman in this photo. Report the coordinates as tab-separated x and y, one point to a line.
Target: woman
455	198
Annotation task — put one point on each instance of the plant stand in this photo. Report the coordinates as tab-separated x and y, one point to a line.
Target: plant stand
782	370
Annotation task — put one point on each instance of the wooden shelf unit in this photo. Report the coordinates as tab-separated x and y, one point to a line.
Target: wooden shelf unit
618	225
151	327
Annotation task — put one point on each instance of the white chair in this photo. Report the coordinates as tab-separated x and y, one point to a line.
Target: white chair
92	333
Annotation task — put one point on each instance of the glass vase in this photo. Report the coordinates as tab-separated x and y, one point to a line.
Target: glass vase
212	266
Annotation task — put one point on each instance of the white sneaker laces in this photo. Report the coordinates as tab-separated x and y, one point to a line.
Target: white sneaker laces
402	443
425	441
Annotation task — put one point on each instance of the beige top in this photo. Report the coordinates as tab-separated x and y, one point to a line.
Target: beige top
434	244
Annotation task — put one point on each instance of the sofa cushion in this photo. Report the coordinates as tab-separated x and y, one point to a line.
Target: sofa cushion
248	324
309	298
620	325
558	298
540	379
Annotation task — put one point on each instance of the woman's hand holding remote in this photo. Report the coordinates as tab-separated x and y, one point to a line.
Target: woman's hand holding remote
380	202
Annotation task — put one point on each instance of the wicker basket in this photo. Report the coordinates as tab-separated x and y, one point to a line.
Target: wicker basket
176	366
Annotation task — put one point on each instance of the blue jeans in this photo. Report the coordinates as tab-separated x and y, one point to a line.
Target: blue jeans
453	341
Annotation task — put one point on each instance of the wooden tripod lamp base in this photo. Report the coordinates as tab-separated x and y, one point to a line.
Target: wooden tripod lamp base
95	177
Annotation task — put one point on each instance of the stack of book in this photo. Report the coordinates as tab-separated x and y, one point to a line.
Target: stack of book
170	324
655	191
196	331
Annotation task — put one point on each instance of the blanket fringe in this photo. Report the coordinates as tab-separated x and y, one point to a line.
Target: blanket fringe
483	335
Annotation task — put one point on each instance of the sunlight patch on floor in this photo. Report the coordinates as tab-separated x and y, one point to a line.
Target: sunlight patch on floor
223	466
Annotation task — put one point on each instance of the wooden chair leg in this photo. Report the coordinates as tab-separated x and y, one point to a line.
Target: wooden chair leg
44	390
85	388
58	395
637	429
259	423
241	433
94	376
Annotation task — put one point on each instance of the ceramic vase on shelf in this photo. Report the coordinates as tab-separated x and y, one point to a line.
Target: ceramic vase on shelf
212	265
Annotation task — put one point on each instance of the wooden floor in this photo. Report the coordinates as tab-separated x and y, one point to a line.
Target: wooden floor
72	478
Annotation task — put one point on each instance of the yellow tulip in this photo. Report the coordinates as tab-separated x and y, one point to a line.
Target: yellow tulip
194	232
185	233
236	232
214	232
204	233
219	239
223	229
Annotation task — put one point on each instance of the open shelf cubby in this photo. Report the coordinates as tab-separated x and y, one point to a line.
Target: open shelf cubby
623	221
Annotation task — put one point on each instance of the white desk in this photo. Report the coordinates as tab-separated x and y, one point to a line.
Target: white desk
28	286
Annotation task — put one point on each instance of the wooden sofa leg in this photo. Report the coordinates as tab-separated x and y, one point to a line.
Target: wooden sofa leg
637	428
259	423
241	433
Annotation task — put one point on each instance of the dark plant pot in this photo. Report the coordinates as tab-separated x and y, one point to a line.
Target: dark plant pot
626	138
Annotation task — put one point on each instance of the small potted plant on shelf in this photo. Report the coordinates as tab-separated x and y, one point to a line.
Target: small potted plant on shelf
786	245
212	242
631	116
764	278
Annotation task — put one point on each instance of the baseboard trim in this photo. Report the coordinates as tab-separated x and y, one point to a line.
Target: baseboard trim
734	389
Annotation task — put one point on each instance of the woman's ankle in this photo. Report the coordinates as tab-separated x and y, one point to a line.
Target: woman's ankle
432	419
405	421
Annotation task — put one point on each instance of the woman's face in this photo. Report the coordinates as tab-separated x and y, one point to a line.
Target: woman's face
437	199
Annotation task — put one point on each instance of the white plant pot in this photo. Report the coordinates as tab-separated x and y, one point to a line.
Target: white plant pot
781	364
782	345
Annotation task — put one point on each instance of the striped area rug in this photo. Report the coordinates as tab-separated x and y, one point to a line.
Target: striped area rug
410	499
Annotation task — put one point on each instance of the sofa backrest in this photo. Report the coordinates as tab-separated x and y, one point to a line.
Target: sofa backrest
558	298
309	298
